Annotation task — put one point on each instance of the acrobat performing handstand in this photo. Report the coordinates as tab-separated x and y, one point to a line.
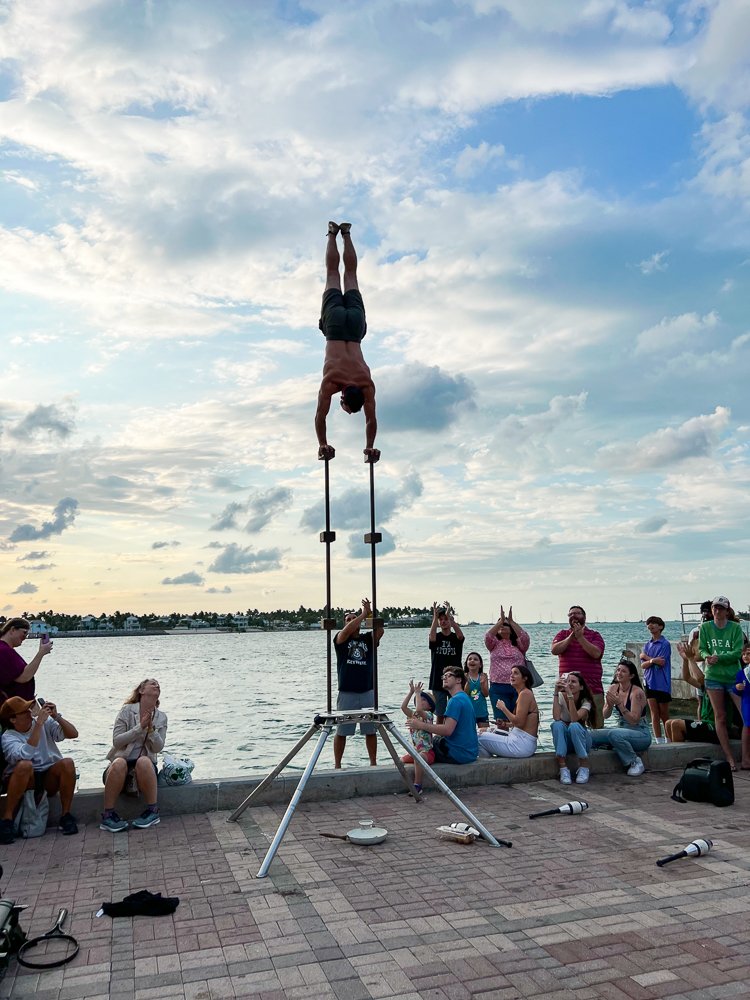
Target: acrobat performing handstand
343	322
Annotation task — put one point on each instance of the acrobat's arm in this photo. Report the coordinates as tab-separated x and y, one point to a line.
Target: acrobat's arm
325	450
371	424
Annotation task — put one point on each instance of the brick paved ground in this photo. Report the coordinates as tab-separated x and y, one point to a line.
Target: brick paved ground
576	909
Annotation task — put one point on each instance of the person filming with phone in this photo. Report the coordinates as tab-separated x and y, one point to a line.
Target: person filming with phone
16	675
33	761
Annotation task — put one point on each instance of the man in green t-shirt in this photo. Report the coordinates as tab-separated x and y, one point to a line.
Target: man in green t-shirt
720	642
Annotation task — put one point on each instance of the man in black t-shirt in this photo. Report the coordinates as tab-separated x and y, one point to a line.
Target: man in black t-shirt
354	665
446	646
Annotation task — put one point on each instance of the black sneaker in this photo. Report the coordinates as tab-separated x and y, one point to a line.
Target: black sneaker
6	831
68	824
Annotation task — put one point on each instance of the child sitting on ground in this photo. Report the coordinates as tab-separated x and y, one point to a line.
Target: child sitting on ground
424	707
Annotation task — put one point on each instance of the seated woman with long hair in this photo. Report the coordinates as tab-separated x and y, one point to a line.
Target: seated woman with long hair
521	739
574	714
139	733
626	699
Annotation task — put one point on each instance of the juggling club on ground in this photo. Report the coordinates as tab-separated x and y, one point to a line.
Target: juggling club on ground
695	849
569	809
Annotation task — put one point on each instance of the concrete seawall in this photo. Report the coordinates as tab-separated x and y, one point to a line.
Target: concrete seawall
330	785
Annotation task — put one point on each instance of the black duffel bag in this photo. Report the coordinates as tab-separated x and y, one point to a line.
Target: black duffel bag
706	780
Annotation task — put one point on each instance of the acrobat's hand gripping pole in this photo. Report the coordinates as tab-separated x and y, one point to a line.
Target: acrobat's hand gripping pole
372	539
329	623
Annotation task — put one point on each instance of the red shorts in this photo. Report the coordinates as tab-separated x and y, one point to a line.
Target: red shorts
429	756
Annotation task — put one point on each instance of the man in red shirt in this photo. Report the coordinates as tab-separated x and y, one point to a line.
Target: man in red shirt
580	648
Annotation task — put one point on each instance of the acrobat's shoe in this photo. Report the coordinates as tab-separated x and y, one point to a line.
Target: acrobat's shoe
333	229
345	228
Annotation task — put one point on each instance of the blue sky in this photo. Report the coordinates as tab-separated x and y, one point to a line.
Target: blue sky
550	205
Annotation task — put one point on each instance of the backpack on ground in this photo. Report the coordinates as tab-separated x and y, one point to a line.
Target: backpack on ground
705	780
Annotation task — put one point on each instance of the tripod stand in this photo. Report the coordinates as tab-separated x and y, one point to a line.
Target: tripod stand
323	724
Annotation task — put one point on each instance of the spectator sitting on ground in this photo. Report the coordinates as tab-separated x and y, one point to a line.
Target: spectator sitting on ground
456	741
139	733
521	739
424	707
574	715
632	735
33	761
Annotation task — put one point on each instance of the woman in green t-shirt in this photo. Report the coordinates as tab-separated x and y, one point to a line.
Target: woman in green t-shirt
720	644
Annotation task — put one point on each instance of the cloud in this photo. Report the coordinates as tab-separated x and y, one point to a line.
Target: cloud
225	484
228	517
34	556
676	333
263	507
418	397
219	590
534	426
695	438
357	548
191	578
26	588
238	559
352	508
656	262
473	159
165	545
63	517
51	419
651	525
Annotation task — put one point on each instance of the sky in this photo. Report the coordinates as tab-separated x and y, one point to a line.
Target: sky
551	206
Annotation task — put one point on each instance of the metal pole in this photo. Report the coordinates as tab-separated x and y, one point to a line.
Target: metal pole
398	762
329	538
263	870
373	538
269	777
447	791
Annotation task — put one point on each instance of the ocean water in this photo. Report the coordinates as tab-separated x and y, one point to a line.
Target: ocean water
237	703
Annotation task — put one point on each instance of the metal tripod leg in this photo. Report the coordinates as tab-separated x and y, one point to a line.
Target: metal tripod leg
398	762
447	791
269	777
270	854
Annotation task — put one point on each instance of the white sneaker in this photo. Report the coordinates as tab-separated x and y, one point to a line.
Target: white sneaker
565	778
582	776
660	739
636	768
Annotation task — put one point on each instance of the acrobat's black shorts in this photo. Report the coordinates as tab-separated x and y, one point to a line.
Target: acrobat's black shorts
342	316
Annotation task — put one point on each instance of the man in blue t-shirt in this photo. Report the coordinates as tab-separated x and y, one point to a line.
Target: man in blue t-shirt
456	739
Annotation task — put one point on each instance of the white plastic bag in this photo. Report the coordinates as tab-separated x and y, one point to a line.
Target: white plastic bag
175	770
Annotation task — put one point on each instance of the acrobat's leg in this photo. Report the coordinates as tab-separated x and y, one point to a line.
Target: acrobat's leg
350	259
333	279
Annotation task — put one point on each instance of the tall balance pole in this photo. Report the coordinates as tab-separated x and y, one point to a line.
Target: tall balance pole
372	539
329	623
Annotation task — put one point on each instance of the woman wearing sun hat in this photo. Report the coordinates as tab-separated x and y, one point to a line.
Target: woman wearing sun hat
720	643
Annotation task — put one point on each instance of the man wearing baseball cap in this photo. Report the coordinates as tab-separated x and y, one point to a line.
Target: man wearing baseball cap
720	642
33	761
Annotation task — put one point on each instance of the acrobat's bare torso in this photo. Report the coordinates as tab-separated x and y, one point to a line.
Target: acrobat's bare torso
344	325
